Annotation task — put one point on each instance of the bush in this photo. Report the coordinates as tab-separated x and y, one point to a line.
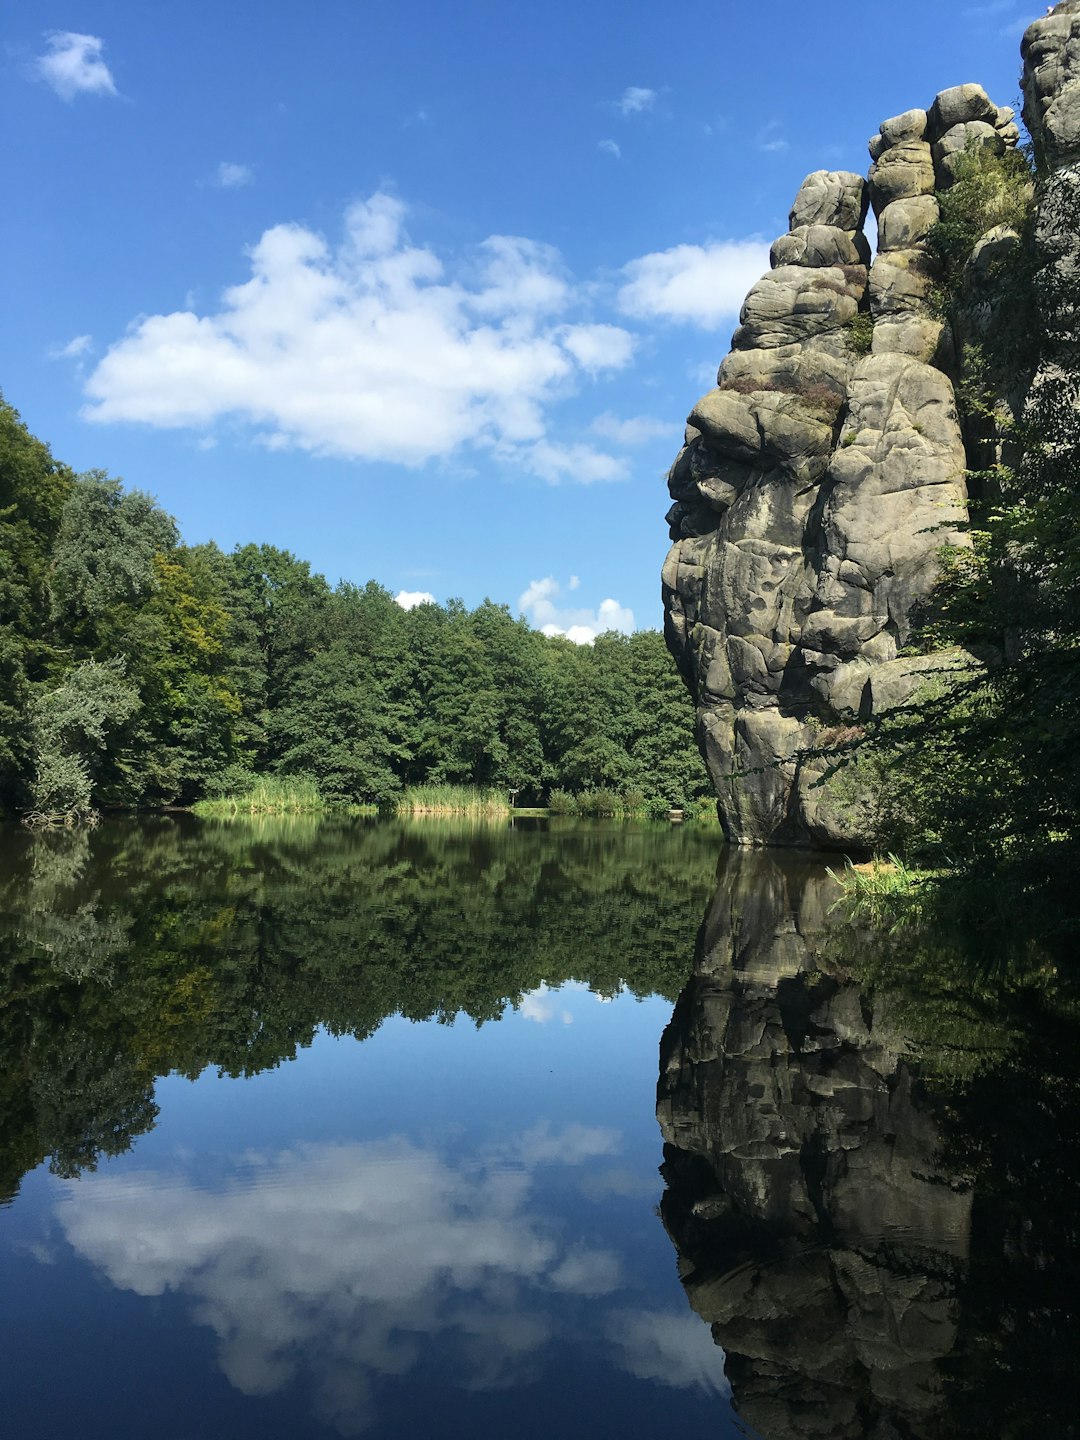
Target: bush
561	802
860	333
599	802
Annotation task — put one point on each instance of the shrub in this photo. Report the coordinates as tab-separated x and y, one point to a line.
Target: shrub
860	333
599	802
561	802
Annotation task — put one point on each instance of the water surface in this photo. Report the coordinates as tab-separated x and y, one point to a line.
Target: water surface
311	1128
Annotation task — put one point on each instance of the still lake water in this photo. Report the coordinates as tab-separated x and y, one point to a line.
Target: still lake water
312	1128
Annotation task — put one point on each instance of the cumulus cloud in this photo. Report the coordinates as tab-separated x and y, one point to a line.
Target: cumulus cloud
231	176
338	1265
555	462
636	430
635	99
610	147
702	285
409	599
579	624
80	345
674	1350
541	1006
72	65
372	351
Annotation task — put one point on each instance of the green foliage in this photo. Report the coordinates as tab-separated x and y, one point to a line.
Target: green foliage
33	492
451	800
165	945
265	795
860	333
561	802
249	665
985	773
989	190
71	728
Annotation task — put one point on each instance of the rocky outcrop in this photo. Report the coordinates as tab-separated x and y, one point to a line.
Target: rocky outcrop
819	480
817	1231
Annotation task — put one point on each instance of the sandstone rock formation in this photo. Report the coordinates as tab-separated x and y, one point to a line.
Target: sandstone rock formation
821	476
817	1231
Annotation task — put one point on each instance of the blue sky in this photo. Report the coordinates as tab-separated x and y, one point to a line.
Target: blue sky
423	292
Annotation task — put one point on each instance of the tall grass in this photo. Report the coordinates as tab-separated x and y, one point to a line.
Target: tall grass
451	800
268	795
884	893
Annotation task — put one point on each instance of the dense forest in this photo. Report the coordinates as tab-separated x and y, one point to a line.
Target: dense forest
138	671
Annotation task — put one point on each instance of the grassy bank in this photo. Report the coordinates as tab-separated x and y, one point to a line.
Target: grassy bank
267	796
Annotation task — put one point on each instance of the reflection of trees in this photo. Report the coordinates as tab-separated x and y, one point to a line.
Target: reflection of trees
142	949
881	1233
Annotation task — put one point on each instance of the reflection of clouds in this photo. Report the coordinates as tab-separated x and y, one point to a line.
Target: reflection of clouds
672	1349
572	1145
337	1263
540	1006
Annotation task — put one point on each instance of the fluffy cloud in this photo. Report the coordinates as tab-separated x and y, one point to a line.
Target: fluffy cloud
372	351
230	176
580	625
675	1350
637	430
701	285
339	1265
409	599
635	99
72	65
610	147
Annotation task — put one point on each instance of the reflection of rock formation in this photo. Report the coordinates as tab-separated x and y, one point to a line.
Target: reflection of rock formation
815	1231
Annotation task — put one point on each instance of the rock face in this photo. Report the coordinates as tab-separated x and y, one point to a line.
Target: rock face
820	477
817	1232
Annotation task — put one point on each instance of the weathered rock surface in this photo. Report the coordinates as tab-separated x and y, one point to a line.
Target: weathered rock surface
820	478
1051	82
817	1232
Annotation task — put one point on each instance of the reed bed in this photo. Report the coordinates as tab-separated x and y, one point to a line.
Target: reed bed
269	795
451	800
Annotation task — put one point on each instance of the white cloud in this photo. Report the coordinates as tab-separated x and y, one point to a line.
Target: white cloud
610	147
674	1350
555	462
580	625
541	1005
700	285
635	99
338	1266
73	349
73	65
409	599
231	176
371	351
637	430
598	347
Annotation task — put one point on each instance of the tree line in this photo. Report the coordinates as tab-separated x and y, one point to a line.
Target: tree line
166	944
137	671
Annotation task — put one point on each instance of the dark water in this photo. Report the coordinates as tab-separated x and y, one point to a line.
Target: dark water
311	1129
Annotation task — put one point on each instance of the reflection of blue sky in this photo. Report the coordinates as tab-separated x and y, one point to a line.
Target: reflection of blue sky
472	1204
340	1261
